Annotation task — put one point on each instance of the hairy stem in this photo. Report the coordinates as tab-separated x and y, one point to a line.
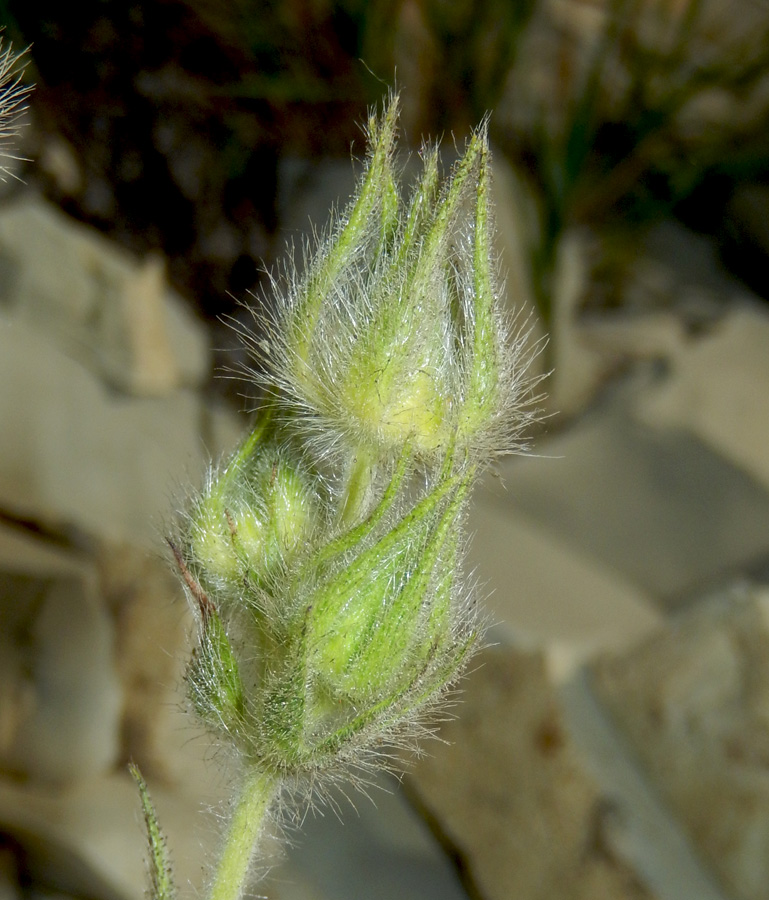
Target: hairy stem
231	876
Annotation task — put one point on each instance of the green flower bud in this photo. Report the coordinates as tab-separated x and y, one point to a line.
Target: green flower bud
325	556
253	515
364	632
214	684
395	337
367	619
390	366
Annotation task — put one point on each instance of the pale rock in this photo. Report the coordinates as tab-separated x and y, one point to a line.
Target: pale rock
516	219
640	827
155	636
510	796
149	367
88	839
655	506
719	390
373	846
577	370
72	450
60	699
693	700
222	430
622	337
116	315
543	593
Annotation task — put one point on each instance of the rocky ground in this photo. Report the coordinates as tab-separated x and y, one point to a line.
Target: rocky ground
612	743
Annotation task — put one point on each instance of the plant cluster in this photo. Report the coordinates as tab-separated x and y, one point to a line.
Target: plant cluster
324	557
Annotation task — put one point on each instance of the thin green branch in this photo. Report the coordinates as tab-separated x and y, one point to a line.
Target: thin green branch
232	872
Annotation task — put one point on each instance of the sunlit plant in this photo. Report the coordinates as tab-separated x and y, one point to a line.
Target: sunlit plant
323	559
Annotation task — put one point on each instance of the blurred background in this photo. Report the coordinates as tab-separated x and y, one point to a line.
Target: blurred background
614	740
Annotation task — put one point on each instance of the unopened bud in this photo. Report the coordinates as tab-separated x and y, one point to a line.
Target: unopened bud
395	337
366	620
254	513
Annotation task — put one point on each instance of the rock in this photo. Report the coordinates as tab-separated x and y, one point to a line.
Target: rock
655	506
154	636
60	700
627	336
88	839
576	369
115	315
376	847
716	390
639	828
509	796
693	700
222	430
542	592
73	451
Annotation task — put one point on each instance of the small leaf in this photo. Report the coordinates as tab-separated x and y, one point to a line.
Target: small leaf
159	863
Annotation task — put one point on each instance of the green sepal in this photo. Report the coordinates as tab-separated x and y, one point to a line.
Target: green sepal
347	609
213	678
374	195
280	741
418	619
481	343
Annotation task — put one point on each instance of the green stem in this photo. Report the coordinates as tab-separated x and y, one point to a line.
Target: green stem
231	874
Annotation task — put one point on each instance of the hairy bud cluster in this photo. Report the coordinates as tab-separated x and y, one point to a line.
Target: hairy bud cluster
324	557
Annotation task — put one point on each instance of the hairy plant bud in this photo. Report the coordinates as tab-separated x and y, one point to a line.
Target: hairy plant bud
325	555
213	678
394	336
368	633
377	614
254	513
324	558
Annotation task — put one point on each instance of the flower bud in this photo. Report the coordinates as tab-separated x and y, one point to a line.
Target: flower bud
363	632
253	515
389	365
395	336
369	618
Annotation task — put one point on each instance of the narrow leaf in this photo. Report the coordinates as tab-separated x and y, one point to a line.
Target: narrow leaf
159	863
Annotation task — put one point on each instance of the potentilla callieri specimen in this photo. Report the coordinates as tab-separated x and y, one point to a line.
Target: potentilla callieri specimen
324	557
